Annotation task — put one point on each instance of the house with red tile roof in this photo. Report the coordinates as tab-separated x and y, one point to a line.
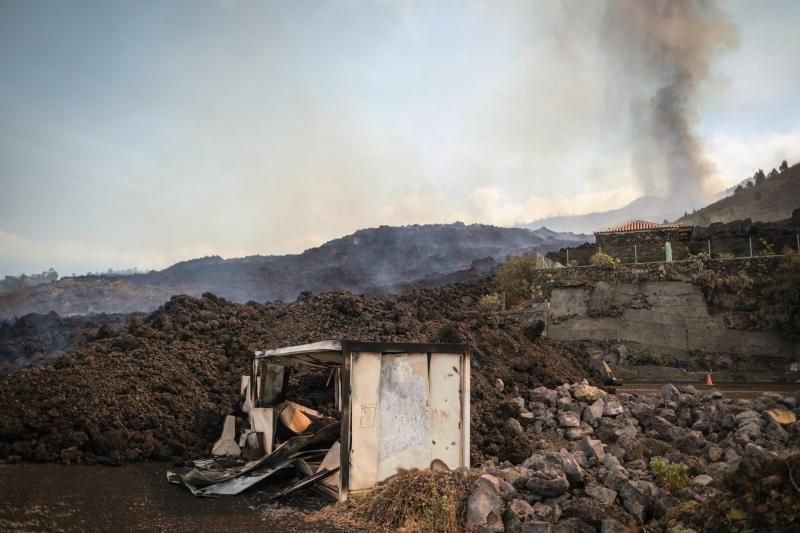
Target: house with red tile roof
641	241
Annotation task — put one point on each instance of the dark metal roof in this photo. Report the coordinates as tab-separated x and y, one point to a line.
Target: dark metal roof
341	346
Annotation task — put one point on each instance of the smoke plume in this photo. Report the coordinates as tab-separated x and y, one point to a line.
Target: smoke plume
662	52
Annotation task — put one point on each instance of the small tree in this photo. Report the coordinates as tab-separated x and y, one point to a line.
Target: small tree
749	184
784	166
515	276
773	173
738	189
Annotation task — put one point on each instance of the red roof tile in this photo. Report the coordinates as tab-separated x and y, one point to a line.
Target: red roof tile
641	225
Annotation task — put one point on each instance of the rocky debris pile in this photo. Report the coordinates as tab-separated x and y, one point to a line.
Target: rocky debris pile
593	469
160	387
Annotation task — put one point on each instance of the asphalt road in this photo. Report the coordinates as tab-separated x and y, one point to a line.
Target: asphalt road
136	497
730	390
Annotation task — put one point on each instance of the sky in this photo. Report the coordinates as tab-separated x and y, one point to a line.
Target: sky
139	134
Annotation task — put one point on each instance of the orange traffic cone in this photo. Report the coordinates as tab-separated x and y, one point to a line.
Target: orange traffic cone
708	379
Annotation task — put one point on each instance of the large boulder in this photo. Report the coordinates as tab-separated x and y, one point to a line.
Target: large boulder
569	419
593	412
517	512
601	493
485	505
570	465
543	395
638	499
549	481
592	448
612	407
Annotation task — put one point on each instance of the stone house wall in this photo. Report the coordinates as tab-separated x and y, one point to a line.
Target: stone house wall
649	244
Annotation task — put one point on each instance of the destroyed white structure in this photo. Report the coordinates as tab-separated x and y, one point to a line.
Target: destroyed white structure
401	406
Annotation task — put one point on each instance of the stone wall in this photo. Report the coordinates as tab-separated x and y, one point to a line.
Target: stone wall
661	318
644	246
732	239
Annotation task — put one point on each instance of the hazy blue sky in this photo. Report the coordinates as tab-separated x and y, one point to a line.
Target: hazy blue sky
144	132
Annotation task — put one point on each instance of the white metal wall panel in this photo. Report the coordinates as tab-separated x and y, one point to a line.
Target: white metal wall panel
465	409
403	425
364	404
445	408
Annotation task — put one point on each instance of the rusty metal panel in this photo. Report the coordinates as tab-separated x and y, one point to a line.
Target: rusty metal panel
445	408
403	425
365	380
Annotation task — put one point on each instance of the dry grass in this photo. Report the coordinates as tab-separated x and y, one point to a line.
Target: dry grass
421	500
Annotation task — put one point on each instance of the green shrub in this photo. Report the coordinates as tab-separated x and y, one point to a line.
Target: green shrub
671	476
604	261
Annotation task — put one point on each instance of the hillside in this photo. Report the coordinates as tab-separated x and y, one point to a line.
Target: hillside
773	199
647	207
375	261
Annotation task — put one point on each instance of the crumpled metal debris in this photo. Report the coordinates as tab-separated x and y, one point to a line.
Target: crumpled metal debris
212	477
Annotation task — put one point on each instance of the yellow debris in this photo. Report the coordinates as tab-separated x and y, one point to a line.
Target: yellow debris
589	392
782	416
714	454
736	514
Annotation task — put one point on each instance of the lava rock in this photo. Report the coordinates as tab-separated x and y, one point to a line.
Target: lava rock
548	482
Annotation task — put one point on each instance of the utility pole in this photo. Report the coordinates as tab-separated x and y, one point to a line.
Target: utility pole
750	240
635	255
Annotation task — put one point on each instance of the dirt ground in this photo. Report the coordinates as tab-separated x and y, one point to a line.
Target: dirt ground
137	497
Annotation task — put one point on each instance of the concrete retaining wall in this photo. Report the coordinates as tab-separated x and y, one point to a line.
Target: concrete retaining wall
669	316
643	320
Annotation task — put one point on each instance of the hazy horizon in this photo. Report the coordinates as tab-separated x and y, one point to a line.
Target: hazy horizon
142	134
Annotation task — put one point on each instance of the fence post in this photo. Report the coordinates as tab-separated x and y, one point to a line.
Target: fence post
567	256
709	248
750	240
635	255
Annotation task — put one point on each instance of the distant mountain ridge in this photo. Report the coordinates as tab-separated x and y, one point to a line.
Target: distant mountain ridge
376	260
652	208
771	200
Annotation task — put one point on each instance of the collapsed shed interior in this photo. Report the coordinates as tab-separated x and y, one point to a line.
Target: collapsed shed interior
379	408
